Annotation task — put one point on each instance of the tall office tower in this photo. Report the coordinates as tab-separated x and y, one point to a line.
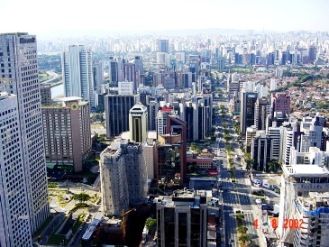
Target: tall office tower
187	80
250	135
198	114
262	110
77	70
312	54
117	109
312	133
139	70
152	108
260	150
169	159
161	119
273	134
98	75
289	135
138	120
15	227
66	127
130	73
247	110
18	56
113	70
123	176
45	91
149	151
139	64
183	219
304	196
280	102
162	45
177	126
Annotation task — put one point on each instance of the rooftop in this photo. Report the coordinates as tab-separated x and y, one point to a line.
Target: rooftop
309	170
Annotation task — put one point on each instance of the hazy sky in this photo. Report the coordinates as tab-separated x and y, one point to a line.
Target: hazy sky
63	16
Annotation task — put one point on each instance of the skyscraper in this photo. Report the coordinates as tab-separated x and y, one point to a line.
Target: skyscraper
18	56
138	121
77	70
15	227
162	45
280	103
247	110
117	109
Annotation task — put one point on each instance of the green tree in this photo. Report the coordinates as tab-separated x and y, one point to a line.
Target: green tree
242	229
244	238
150	223
82	197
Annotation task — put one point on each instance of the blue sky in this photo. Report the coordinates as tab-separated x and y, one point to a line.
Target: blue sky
43	16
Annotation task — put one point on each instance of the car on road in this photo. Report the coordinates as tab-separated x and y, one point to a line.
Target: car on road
258	201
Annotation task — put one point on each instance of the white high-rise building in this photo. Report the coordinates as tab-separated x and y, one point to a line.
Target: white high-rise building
304	197
19	65
312	133
77	70
15	227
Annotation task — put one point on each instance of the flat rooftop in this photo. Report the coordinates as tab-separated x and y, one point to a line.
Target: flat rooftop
309	170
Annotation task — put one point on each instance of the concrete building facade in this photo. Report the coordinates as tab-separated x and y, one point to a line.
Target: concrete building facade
19	65
67	132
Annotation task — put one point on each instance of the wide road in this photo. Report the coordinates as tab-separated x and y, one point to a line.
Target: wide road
235	196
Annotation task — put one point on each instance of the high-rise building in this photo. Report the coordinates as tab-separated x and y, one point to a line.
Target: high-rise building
247	110
162	45
113	179
138	121
311	129
184	220
77	70
312	52
304	196
262	110
130	73
274	134
113	70
15	227
161	119
288	133
98	75
45	91
67	133
117	109
177	126
260	150
19	64
280	102
123	176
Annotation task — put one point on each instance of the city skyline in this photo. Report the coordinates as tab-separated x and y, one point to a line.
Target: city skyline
147	16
